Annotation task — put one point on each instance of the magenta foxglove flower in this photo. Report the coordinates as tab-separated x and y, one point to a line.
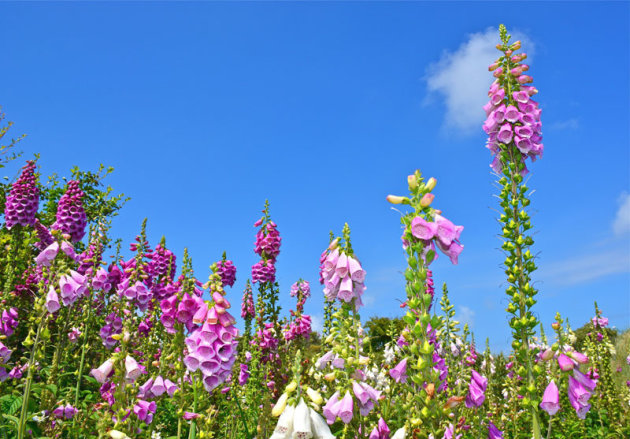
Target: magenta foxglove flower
144	410
578	397
190	415
476	390
5	353
66	411
71	217
73	335
565	362
247	304
494	432
551	399
23	199
227	270
8	321
381	431
449	433
399	373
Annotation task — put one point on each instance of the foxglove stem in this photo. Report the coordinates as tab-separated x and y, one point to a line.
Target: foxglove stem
519	262
29	378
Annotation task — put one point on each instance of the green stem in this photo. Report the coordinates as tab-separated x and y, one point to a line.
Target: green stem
238	404
82	363
29	379
193	426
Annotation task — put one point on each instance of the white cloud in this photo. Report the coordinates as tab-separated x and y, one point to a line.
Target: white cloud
466	315
621	225
570	124
462	78
588	267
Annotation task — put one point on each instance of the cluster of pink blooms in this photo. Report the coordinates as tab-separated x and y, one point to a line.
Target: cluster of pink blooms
23	199
343	277
343	408
300	327
156	387
8	321
145	410
191	310
71	217
303	286
266	340
440	231
162	262
267	246
66	412
136	292
212	350
71	287
516	118
580	390
247	305
113	325
227	270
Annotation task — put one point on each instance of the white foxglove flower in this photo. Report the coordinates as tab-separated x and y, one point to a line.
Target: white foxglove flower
321	430
401	433
301	422
285	424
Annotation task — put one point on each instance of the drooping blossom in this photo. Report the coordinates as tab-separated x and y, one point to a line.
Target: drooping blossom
66	411
344	277
247	305
494	432
551	399
145	410
8	321
399	372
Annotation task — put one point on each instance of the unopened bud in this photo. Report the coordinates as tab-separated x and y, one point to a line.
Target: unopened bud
492	67
508	52
315	396
291	387
333	245
498	72
329	376
412	181
278	408
555	325
395	199
525	79
426	200
431	182
547	355
516	45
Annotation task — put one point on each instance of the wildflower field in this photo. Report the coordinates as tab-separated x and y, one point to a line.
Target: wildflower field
96	346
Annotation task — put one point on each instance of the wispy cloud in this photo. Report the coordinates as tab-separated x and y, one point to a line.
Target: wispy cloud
466	315
570	124
462	78
621	225
587	267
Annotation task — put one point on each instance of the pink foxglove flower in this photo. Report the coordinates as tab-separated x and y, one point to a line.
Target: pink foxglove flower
23	198
103	371
47	255
399	373
71	217
551	399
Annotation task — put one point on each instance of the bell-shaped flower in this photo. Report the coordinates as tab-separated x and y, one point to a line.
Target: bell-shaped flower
551	399
399	372
132	369
585	381
320	428
342	266
331	410
284	427
565	362
357	273
52	300
346	406
423	229
302	421
505	133
446	230
494	432
103	371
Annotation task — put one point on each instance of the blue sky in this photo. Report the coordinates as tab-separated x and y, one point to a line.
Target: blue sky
207	109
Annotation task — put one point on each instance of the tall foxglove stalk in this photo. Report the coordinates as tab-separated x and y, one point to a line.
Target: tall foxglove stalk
426	405
514	135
